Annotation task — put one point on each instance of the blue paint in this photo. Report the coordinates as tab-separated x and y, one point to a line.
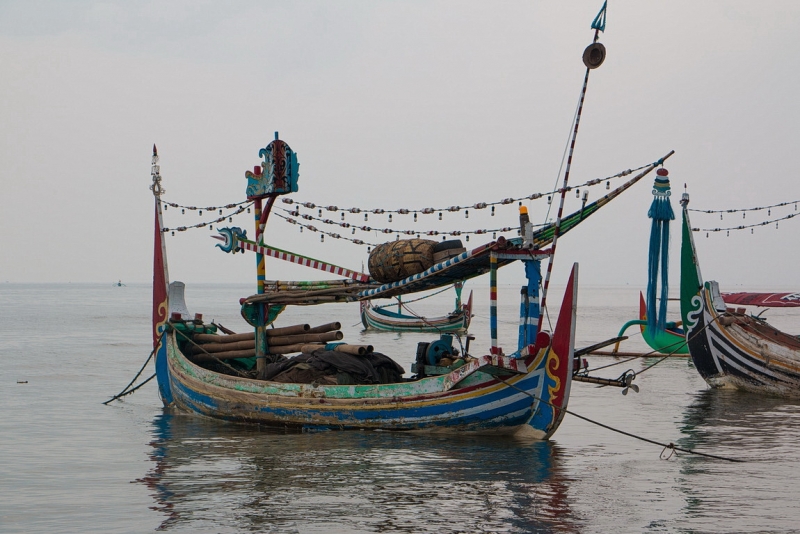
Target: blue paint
529	305
162	371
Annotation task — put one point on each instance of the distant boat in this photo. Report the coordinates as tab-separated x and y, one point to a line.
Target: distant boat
671	340
382	318
118	284
728	347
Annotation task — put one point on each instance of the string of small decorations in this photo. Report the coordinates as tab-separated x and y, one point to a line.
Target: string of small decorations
760	208
354	227
209	208
398	233
242	207
744	227
477	206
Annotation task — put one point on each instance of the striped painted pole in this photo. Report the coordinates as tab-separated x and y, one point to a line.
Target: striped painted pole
493	301
557	228
265	250
529	305
261	337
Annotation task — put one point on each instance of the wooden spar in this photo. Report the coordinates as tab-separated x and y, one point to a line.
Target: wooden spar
601	381
325	328
591	348
305	338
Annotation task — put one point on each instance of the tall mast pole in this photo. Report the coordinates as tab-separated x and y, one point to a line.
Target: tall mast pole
593	57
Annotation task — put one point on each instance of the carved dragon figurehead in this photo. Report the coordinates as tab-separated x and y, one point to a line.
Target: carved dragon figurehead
231	238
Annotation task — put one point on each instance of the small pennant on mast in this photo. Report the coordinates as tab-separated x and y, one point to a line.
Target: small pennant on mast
599	22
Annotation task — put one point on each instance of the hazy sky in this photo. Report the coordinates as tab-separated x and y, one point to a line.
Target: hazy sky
390	105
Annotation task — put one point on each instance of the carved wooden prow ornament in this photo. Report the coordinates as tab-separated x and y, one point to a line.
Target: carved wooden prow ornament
277	174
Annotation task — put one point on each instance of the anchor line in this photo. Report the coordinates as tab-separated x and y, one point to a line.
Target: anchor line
665	446
125	389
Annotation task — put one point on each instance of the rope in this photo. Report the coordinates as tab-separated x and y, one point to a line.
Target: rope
665	446
115	397
125	389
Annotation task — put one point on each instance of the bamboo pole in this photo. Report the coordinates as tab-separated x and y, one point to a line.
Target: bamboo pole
305	338
356	350
214	338
325	328
289	330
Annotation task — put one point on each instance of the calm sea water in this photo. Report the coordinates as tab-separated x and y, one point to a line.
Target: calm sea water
71	464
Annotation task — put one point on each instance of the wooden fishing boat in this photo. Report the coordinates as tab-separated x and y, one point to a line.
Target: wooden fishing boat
524	392
382	318
728	347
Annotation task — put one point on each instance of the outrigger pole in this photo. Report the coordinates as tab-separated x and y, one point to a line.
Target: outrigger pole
593	57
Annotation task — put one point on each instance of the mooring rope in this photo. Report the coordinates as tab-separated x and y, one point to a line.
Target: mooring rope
665	446
115	397
125	389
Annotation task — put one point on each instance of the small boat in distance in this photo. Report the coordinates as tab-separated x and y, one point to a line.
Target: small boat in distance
728	347
671	340
118	284
381	318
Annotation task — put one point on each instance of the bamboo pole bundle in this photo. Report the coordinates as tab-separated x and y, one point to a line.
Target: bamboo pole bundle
305	338
325	328
214	338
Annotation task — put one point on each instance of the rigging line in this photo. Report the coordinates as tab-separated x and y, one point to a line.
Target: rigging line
131	390
135	377
665	445
563	158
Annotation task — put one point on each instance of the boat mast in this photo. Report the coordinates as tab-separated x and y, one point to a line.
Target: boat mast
277	175
593	57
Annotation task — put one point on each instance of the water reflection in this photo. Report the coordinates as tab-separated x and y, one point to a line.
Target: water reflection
757	429
739	423
212	476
